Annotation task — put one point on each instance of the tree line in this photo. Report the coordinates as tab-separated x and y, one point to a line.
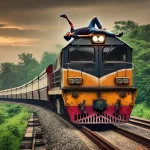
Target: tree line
138	37
13	75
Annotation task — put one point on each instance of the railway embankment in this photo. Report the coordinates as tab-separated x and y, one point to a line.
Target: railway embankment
59	133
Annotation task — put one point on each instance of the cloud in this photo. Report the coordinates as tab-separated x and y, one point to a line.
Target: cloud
37	14
37	4
3	25
17	41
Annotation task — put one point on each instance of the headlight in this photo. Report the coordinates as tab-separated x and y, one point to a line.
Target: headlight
76	80
101	38
122	80
71	80
126	80
98	38
95	38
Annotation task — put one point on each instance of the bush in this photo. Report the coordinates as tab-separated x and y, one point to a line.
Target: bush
13	119
141	111
6	141
14	130
2	118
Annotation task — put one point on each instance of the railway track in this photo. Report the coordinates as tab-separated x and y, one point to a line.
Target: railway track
33	138
140	122
116	134
133	136
97	139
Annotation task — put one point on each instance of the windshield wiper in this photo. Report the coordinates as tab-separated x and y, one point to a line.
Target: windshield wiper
109	50
77	48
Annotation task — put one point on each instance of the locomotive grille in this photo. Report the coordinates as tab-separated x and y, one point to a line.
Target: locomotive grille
99	118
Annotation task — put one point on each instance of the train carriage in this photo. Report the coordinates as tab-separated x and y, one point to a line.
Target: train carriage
19	92
9	91
43	80
29	90
35	89
23	92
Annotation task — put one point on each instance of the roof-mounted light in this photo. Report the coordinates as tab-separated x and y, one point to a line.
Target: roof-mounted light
95	38
98	38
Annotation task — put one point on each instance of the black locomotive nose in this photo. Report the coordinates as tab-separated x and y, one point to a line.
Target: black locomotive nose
99	105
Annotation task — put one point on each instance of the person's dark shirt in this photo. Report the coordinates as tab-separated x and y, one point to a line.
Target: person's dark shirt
80	31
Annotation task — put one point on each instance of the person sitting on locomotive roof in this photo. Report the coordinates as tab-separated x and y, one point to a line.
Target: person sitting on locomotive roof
87	31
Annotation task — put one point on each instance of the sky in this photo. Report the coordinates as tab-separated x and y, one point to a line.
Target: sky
35	26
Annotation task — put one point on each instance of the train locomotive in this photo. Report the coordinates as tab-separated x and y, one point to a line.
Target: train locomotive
92	81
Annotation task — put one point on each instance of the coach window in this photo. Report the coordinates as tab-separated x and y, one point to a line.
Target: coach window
117	53
81	54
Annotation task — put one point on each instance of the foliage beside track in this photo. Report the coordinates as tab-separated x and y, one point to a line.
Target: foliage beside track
141	111
13	121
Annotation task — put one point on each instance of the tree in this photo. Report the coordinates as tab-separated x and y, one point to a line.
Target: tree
8	75
125	26
47	59
141	33
139	39
12	75
27	67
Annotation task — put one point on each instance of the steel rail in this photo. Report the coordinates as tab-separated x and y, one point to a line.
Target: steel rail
140	124
133	136
141	120
98	140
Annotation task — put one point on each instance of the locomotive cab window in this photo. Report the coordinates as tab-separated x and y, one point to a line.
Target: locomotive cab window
81	54
114	53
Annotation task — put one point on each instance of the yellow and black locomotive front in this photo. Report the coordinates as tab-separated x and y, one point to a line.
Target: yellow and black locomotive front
97	80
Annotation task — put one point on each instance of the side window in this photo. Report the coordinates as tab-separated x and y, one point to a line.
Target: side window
117	53
81	54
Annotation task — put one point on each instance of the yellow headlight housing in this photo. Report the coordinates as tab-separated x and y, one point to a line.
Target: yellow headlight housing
122	80
75	80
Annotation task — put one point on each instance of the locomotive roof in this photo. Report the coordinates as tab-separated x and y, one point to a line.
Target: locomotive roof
87	41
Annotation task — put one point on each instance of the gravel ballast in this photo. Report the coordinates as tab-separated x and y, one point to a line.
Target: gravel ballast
59	133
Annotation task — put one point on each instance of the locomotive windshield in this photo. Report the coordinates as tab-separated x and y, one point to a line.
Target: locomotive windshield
114	53
81	54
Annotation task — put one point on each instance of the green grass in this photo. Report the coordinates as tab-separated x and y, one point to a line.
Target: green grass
141	111
13	121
